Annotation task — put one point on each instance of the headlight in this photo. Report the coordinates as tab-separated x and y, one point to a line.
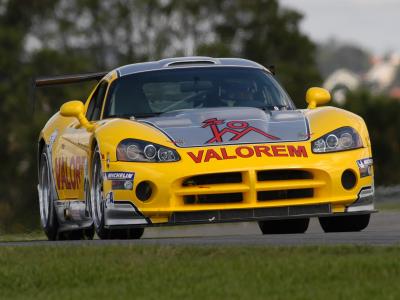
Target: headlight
341	139
142	151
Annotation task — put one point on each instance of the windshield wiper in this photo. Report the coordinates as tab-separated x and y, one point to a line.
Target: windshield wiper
122	116
147	115
274	107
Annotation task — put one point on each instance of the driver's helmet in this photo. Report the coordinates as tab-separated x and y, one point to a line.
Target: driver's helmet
237	92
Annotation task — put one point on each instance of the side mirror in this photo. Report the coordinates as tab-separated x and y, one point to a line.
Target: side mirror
75	109
316	97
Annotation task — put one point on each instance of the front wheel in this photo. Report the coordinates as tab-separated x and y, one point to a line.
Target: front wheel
284	226
344	223
97	206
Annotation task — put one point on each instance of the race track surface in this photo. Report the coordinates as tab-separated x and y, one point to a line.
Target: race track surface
384	229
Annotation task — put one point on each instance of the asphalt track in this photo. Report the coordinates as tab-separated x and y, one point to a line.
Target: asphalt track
384	229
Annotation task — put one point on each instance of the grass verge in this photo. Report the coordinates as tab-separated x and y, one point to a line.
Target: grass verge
167	272
388	206
29	236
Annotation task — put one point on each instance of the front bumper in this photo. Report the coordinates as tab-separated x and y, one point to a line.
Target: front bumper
249	195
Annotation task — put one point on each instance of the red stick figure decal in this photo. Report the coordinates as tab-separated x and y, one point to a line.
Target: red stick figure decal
238	128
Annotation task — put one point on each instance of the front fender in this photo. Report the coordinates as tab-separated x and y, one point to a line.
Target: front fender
111	132
326	119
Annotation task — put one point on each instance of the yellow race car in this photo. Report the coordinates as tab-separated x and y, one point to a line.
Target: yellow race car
199	140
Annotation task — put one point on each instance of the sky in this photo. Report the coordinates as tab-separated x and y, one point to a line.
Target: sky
371	24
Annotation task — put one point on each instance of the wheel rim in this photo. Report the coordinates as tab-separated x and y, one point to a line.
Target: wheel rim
44	192
97	194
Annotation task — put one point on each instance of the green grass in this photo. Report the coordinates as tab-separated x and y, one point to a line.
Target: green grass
388	206
29	236
175	272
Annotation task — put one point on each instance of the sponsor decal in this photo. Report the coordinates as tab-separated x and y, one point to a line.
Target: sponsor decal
69	172
120	180
119	175
206	155
52	139
236	129
110	199
365	166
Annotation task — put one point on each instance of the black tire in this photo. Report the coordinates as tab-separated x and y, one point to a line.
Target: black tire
48	217
284	226
97	206
344	223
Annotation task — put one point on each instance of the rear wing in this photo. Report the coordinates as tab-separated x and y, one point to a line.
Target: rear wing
47	81
68	79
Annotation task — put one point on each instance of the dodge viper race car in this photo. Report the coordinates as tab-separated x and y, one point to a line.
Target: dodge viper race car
199	140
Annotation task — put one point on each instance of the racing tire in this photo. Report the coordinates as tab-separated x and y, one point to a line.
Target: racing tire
284	226
344	223
97	206
48	217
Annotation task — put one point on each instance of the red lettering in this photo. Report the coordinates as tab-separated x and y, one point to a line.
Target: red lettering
237	124
279	150
262	150
72	168
63	174
211	154
250	152
196	158
299	152
225	155
58	172
69	174
66	174
77	173
239	135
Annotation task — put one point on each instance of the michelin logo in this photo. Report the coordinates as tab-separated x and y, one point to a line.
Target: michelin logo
119	175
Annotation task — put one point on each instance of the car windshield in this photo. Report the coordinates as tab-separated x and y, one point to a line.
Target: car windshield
156	92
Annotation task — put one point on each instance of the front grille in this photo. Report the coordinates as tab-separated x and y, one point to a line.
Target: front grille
211	216
248	187
285	194
213	198
272	175
219	178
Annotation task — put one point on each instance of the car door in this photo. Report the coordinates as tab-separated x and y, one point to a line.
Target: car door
73	151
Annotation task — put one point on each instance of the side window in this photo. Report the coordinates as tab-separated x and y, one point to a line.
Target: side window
95	105
92	102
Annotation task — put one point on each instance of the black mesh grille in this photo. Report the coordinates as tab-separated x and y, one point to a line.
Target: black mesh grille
271	175
285	194
213	179
213	198
231	215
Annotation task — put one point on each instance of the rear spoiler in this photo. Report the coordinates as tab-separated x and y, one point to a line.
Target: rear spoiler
68	79
62	80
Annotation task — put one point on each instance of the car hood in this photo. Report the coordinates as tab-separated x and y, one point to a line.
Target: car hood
231	125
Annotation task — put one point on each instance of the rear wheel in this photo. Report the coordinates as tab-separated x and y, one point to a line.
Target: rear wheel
344	223
97	200
48	218
284	226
